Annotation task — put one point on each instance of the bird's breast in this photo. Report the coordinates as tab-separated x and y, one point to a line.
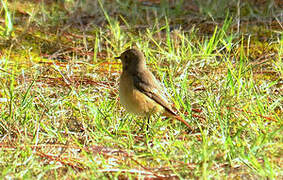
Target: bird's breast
134	100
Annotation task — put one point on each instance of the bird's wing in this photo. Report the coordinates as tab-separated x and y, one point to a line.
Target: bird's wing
145	82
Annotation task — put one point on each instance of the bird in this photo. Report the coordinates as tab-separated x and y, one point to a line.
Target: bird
140	92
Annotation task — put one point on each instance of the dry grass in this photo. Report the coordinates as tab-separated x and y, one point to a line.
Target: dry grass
60	115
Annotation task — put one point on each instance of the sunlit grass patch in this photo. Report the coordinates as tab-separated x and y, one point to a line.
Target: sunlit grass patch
60	115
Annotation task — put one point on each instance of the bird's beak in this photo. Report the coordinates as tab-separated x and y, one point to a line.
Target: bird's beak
119	57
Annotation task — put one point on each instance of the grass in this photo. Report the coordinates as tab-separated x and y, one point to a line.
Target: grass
60	115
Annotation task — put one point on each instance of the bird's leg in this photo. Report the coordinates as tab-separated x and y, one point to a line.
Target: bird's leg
147	124
146	121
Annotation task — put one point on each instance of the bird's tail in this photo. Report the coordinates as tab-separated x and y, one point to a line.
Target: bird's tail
183	121
174	115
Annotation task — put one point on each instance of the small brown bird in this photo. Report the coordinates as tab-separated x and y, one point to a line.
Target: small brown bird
139	90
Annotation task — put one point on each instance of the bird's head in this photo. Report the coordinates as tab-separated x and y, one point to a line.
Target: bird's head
132	60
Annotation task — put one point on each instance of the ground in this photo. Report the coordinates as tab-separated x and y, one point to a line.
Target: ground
219	61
